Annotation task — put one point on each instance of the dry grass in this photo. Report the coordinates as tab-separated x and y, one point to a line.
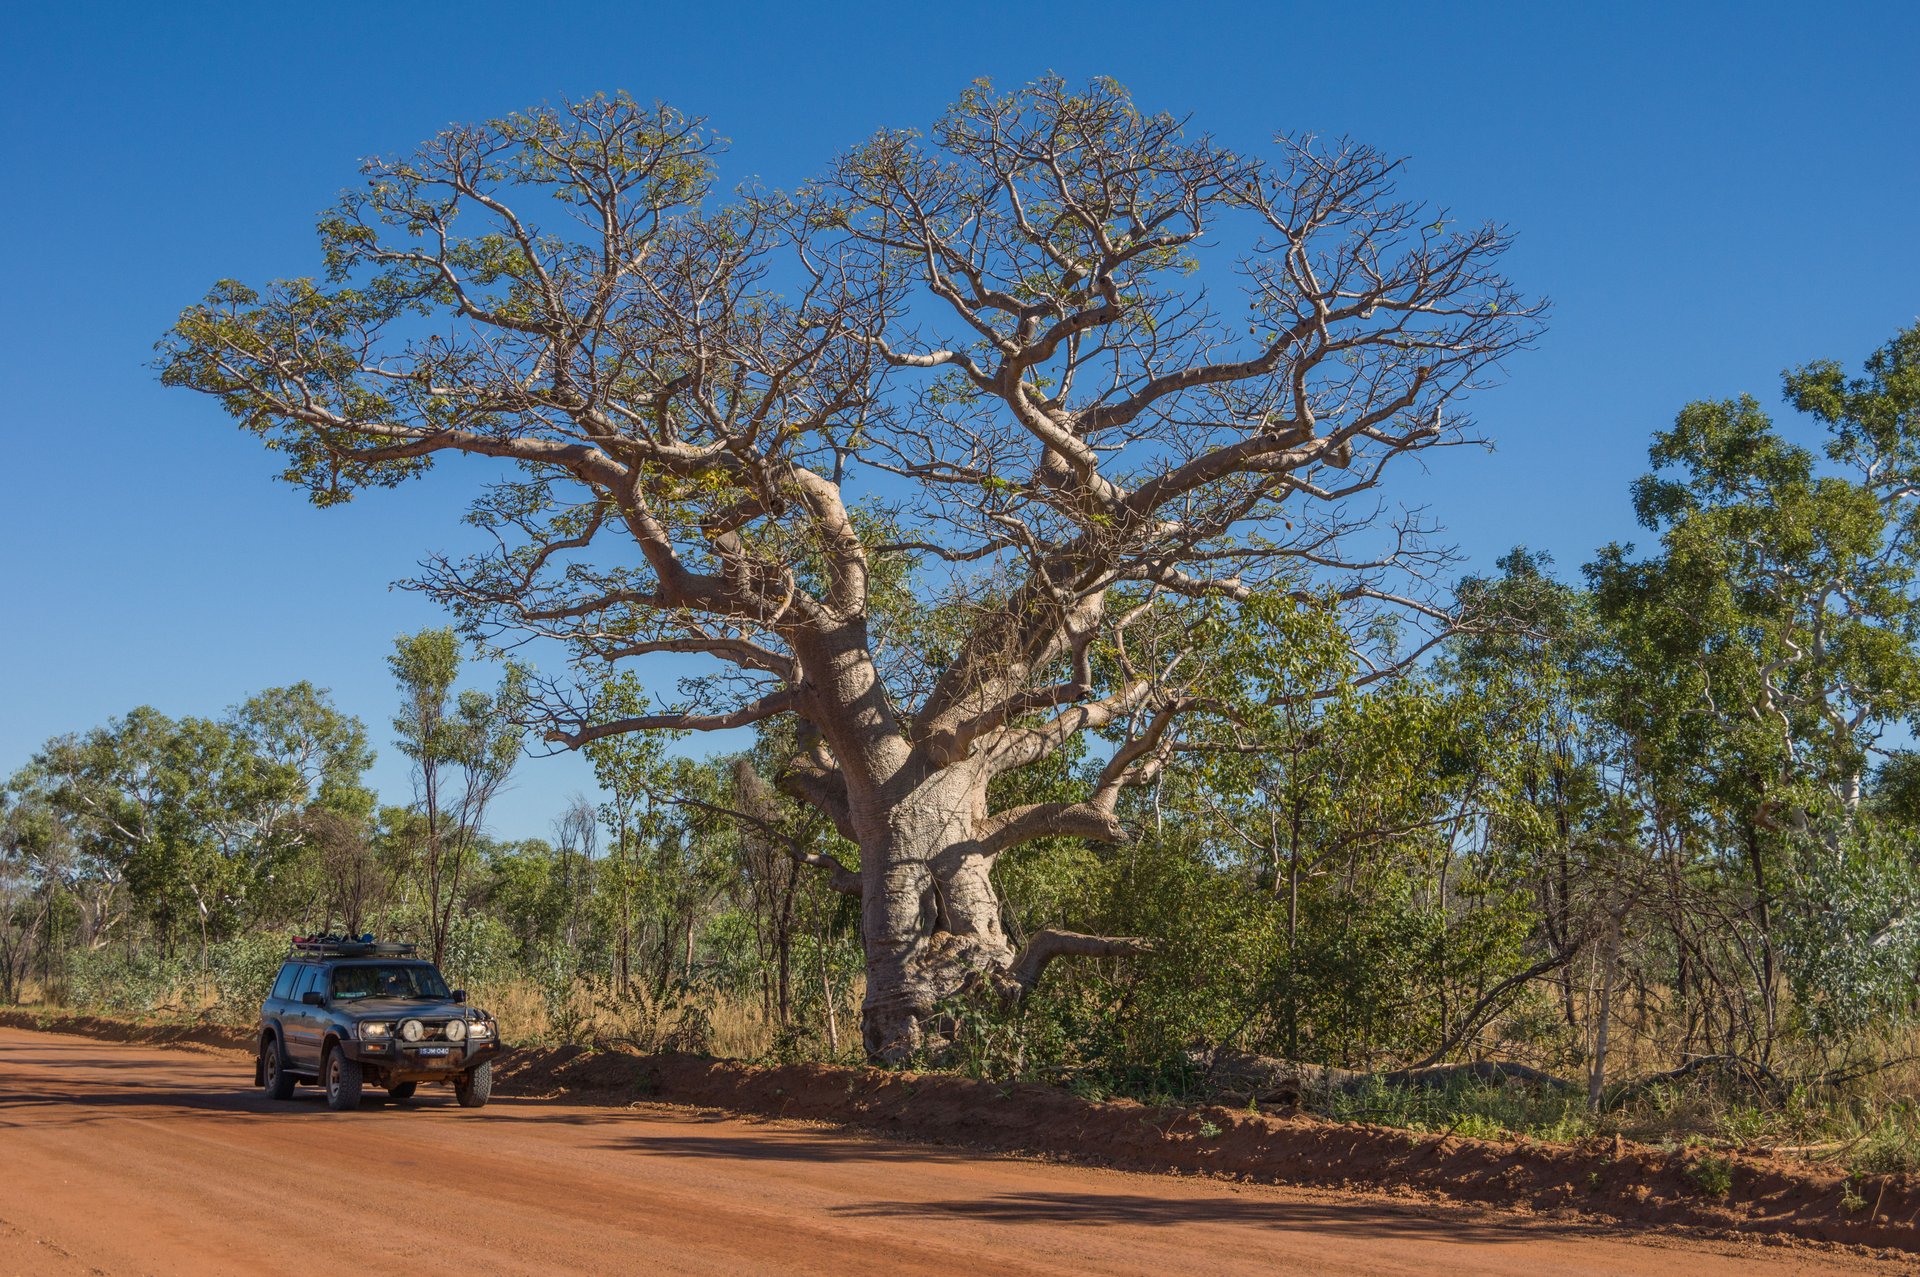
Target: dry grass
695	1019
687	1019
197	1003
519	1007
741	1029
680	1017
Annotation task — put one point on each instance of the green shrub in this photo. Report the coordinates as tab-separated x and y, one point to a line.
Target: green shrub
1890	1147
1712	1174
1473	1108
243	969
480	951
109	980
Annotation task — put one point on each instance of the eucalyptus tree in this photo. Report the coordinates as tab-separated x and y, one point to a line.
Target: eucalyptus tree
463	746
626	765
937	454
30	858
1561	812
1761	656
188	822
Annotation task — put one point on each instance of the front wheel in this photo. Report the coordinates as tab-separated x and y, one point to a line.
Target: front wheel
344	1081
474	1087
274	1078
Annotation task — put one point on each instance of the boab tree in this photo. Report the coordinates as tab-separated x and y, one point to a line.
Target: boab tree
955	454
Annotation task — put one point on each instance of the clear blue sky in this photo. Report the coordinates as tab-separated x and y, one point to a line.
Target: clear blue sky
1708	192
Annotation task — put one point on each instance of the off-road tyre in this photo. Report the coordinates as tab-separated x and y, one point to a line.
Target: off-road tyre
344	1080
402	1090
275	1080
475	1087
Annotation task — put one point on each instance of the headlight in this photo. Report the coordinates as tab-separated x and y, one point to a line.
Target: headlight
412	1030
377	1029
479	1029
456	1030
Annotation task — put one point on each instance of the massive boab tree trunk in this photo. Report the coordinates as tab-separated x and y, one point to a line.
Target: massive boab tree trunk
955	454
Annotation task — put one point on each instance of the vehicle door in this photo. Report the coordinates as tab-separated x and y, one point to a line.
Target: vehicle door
278	1003
302	1024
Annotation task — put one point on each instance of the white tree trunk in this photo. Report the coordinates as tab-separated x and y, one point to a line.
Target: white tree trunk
930	917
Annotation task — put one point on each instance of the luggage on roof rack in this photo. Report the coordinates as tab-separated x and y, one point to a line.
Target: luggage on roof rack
347	947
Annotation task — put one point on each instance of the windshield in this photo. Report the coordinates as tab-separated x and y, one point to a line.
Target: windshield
388	980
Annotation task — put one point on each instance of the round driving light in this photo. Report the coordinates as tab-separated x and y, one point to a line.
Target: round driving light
456	1030
412	1030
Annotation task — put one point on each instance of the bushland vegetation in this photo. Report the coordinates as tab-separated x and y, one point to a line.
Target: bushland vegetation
1051	607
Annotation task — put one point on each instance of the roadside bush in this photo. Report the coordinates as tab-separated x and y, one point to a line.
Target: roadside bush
1891	1146
480	951
1473	1108
243	969
110	980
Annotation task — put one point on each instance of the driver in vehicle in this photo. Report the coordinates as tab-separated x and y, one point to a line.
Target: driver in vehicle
384	981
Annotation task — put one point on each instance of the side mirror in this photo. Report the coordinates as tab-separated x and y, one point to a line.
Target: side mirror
459	995
314	998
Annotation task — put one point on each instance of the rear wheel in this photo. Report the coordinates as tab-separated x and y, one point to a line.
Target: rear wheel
274	1078
474	1087
403	1090
344	1080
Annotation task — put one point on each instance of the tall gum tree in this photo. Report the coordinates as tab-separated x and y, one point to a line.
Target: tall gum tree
955	454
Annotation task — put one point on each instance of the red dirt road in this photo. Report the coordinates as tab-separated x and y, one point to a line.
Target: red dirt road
118	1159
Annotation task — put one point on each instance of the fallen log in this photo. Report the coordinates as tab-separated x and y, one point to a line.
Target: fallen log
1750	1075
1439	1076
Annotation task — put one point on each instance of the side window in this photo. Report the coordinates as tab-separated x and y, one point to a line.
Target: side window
316	979
283	987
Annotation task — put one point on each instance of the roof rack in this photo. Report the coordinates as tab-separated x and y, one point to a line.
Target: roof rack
347	947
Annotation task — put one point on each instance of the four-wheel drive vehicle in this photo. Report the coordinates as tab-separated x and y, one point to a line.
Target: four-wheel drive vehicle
345	1013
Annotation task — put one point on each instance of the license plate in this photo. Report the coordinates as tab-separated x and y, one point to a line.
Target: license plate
433	1050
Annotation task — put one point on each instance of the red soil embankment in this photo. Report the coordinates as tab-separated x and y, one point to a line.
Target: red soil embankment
1612	1179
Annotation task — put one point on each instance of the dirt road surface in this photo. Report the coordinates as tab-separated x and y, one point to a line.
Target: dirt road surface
118	1159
